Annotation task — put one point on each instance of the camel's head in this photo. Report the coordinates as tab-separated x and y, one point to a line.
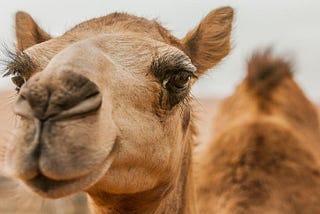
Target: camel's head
106	104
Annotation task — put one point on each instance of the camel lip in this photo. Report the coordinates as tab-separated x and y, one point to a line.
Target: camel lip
47	187
51	188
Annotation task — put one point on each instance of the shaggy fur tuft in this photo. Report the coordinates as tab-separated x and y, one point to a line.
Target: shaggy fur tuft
265	72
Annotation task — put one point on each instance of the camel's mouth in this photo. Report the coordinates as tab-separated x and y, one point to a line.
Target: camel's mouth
51	188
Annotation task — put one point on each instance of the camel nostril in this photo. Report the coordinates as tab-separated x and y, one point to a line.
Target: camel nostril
89	104
72	94
95	93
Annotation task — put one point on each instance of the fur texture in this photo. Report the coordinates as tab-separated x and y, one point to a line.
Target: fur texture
263	161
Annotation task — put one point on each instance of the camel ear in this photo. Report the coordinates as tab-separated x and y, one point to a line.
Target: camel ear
28	33
209	42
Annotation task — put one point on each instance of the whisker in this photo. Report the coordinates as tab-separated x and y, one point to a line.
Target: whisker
199	104
7	101
42	206
7	104
15	193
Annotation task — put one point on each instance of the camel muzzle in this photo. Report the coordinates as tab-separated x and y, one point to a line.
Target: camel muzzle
42	100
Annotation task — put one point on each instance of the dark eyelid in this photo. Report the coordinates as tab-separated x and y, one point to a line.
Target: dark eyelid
169	64
193	75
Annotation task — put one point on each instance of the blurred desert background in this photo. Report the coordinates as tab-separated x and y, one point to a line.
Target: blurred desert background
291	27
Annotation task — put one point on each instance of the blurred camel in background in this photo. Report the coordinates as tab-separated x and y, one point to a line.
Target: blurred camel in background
265	154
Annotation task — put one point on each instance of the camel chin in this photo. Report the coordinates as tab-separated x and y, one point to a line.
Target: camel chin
51	188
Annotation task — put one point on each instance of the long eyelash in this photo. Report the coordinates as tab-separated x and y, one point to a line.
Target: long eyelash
194	76
168	64
16	64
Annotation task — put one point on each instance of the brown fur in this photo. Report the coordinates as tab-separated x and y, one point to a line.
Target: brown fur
28	32
106	110
263	161
205	43
265	73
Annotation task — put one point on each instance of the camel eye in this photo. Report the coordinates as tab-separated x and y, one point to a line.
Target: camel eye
177	87
18	80
178	82
175	73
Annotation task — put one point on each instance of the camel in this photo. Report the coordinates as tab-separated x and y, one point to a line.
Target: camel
265	153
105	109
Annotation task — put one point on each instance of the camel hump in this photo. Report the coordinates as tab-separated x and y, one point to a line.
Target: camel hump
265	72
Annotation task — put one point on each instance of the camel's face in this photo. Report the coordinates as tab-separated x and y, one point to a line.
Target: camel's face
106	109
92	106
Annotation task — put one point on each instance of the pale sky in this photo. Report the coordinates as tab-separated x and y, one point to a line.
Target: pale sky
292	27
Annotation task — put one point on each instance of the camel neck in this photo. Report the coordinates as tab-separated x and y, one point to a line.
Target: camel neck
174	197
